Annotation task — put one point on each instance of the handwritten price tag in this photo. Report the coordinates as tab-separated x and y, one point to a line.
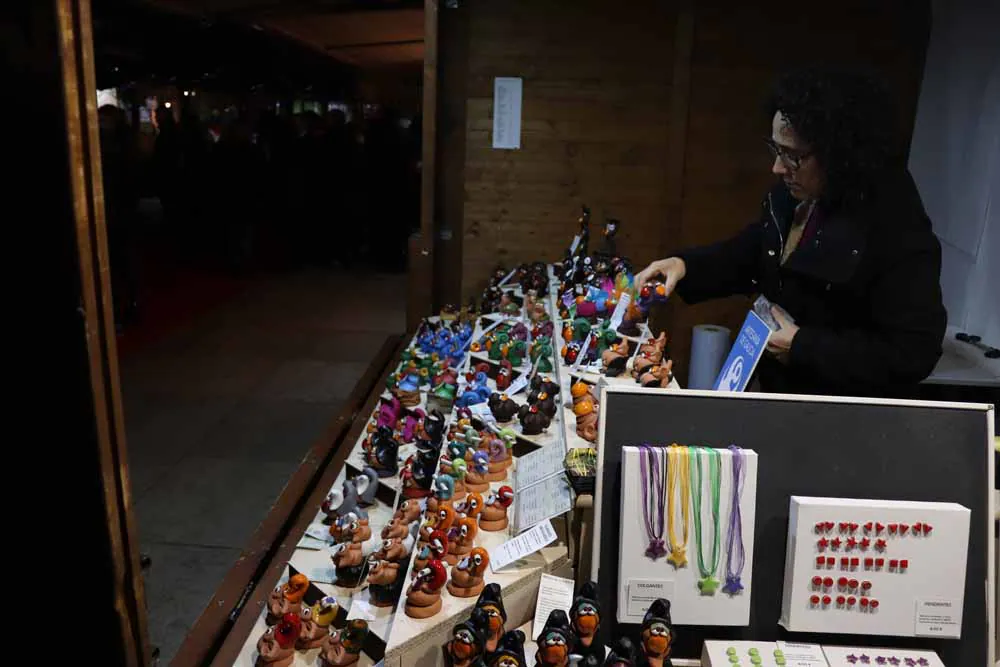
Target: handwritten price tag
522	546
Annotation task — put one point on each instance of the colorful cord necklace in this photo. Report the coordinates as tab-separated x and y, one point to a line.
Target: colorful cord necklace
735	554
708	583
653	479
678	475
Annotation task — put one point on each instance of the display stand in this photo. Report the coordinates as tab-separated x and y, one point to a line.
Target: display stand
817	446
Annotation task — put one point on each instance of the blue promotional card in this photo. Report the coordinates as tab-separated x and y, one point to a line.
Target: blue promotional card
747	350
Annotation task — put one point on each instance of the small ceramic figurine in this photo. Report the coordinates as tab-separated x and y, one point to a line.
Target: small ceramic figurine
509	438
611	227
461	538
533	420
491	601
343	647
444	491
349	562
395	528
657	375
494	515
458	470
409	510
471	506
396	549
656	634
423	599
385	582
497	452
622	654
633	318
585	614
316	622
287	598
650	354
276	648
441	519
546	403
541	354
415	480
475	477
342	501
502	407
510	651
432	427
541	385
384	452
615	358
367	485
407	390
351	528
467	575
468	641
504	375
510	304
436	548
555	642
586	420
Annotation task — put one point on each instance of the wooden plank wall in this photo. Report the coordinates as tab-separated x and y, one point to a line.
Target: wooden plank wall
595	126
598	95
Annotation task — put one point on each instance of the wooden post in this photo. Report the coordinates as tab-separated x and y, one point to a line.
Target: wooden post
64	412
421	249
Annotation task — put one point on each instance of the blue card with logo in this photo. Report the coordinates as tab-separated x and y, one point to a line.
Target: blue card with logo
747	350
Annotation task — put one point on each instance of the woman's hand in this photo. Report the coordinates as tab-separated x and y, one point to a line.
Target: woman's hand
780	342
673	269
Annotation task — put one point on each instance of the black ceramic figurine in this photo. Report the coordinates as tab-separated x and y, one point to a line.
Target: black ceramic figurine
585	613
510	651
539	385
433	427
491	602
533	420
555	642
656	634
384	452
502	407
468	641
385	582
622	654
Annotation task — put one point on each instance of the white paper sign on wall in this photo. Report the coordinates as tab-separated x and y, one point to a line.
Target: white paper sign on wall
507	112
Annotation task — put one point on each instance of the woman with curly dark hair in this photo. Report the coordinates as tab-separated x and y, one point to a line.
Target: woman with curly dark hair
842	245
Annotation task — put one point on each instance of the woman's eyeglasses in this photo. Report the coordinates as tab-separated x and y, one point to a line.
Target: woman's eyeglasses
792	159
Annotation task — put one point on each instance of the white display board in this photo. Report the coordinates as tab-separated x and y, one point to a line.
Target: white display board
904	580
857	656
722	653
642	579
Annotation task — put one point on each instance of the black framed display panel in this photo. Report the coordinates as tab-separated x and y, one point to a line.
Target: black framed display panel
812	446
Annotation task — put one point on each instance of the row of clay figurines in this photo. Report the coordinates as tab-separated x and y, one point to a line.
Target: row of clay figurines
650	367
448	538
294	625
447	534
393	425
481	640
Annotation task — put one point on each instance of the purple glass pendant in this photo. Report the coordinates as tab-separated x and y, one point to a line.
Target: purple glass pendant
733	585
656	549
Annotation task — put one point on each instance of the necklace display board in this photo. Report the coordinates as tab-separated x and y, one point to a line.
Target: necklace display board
705	553
811	446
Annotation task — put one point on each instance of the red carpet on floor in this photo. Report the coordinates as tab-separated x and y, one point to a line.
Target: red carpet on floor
174	299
